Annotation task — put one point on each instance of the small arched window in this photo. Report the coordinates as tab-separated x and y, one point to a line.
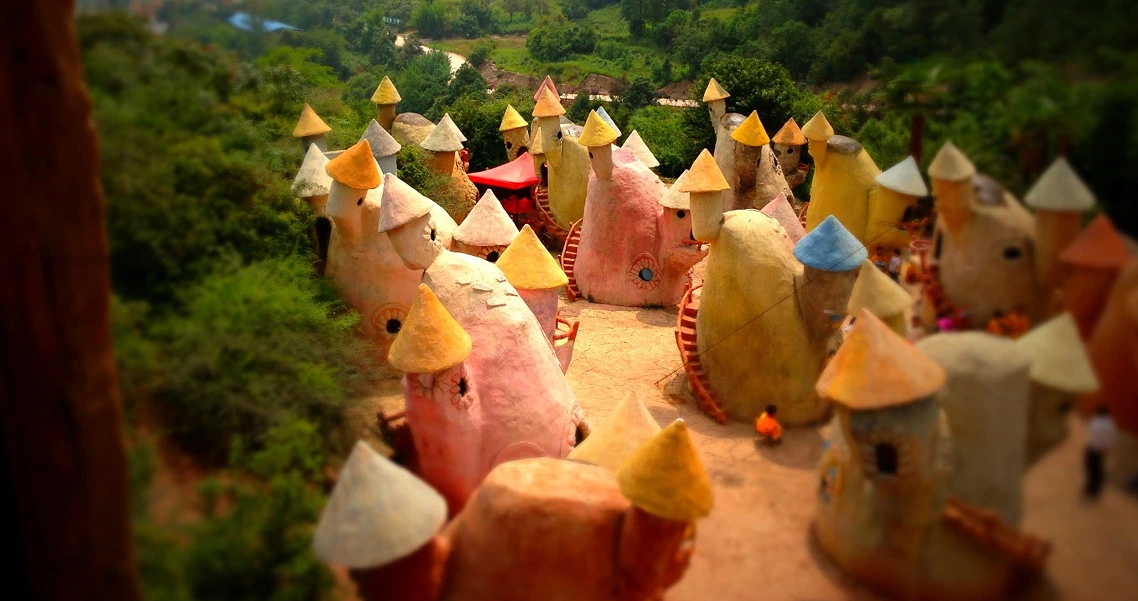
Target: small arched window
886	456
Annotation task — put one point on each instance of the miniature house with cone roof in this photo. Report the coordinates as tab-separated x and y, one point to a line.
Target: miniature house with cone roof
788	143
444	141
830	247
745	158
818	128
446	137
566	160
1060	189
1091	264
904	178
377	513
547	105
310	128
666	478
546	84
312	181
635	144
487	230
535	274
515	133
674	198
631	251
627	427
880	295
512	119
430	340
355	167
385	98
383	146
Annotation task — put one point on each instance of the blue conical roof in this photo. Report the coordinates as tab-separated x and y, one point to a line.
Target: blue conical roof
605	117
830	247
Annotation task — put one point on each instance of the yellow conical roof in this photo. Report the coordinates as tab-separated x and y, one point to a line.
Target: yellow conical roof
876	368
751	132
535	144
309	124
527	265
705	176
512	119
714	91
666	478
877	292
790	135
818	128
951	165
611	443
1060	189
355	167
1059	358
596	132
386	93
430	340
548	105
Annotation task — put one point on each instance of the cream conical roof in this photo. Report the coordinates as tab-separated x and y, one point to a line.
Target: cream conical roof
779	208
445	137
488	224
1059	358
877	292
751	131
527	264
603	114
1098	246
382	144
790	134
548	105
876	368
904	177
546	84
430	340
355	167
512	119
705	176
611	443
401	204
714	91
1060	189
635	144
386	93
666	478
535	146
818	128
951	165
673	198
377	513
309	124
312	179
597	132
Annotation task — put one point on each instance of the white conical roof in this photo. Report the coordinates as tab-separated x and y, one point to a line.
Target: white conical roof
312	179
377	513
1060	189
488	224
611	443
382	144
401	204
635	144
673	198
1059	359
904	177
445	137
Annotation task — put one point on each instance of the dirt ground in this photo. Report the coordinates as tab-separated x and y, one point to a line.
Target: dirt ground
757	544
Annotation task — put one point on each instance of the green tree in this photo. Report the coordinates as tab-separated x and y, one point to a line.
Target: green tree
639	94
430	19
914	95
579	109
755	85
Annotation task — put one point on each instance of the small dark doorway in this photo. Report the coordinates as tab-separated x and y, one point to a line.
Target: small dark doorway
323	229
886	455
522	150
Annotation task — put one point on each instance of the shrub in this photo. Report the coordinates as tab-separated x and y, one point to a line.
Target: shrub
639	94
253	347
481	53
559	39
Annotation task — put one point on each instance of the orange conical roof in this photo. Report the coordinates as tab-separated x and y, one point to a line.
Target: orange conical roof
430	340
548	105
751	131
876	368
527	264
1099	246
790	135
355	167
705	176
309	124
666	478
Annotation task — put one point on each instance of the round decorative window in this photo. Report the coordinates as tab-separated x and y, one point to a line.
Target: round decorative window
644	272
388	320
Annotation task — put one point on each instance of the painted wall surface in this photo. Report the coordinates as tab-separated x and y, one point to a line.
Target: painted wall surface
886	208
626	235
1113	348
543	303
753	172
363	265
843	186
545	529
569	167
517	402
987	264
752	338
515	141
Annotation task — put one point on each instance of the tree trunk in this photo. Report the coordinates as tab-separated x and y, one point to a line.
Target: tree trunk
917	135
62	460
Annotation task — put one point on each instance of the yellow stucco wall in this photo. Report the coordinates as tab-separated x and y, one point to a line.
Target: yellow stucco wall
843	186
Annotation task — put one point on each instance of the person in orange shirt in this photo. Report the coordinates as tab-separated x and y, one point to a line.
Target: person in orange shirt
996	324
767	427
1017	324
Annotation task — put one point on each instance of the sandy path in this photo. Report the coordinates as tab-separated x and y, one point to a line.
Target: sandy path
756	543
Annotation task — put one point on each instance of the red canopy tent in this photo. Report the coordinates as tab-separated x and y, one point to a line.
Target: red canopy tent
512	183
